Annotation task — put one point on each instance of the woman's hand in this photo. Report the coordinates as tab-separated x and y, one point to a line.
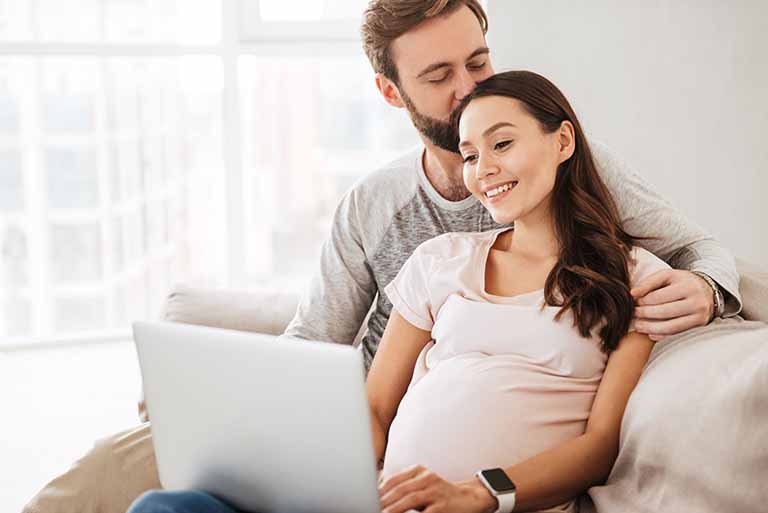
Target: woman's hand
421	489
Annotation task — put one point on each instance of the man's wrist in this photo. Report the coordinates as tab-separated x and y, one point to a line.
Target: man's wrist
718	299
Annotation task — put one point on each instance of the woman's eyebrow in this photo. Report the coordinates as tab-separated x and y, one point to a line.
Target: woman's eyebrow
498	125
489	131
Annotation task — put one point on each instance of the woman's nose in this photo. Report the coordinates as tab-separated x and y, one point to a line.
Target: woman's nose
486	166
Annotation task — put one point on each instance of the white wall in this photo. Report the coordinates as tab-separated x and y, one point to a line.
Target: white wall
679	89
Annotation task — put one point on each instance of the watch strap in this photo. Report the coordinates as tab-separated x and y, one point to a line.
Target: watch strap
717	294
506	502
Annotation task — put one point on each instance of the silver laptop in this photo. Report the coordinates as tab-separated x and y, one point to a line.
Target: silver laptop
269	426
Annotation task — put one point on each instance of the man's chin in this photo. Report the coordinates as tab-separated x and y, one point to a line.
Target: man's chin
453	147
443	141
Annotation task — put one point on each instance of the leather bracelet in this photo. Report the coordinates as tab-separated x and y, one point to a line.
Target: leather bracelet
717	295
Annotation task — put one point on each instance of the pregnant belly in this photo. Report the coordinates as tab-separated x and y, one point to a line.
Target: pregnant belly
477	411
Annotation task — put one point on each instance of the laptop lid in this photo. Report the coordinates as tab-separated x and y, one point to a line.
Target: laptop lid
267	425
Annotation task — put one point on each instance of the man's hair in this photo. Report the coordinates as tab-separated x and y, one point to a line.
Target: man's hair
386	20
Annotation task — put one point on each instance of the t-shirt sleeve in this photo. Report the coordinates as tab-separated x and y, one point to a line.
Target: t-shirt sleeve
645	264
409	292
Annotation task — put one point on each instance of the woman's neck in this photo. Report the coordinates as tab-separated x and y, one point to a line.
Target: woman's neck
534	237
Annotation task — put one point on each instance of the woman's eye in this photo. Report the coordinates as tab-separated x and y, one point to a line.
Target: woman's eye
476	66
470	158
501	145
437	80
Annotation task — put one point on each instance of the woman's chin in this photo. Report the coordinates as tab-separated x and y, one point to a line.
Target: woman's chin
502	217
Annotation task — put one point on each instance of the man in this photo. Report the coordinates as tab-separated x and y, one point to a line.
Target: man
427	55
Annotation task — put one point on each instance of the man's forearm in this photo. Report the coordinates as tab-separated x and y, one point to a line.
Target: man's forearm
664	230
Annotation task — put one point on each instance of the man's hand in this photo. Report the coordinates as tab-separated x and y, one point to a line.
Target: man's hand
671	301
418	488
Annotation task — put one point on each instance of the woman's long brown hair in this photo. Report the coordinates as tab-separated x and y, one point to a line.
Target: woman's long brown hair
591	276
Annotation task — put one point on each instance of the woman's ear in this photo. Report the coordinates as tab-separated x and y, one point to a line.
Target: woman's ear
566	138
389	91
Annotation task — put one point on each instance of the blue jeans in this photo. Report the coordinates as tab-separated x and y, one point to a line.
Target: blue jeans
159	501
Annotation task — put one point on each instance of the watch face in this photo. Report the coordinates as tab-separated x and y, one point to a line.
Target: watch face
499	480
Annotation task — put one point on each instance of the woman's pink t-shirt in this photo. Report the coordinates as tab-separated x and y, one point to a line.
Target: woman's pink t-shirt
502	380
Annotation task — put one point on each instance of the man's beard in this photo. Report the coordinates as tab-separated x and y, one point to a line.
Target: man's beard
440	133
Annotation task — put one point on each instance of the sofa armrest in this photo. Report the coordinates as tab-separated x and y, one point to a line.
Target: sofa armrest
754	291
260	311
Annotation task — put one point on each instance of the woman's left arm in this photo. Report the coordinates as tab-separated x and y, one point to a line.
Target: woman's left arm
552	477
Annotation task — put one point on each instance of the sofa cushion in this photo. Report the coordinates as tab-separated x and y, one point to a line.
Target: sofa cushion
754	291
261	311
694	433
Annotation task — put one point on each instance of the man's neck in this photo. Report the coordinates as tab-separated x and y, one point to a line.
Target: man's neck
444	171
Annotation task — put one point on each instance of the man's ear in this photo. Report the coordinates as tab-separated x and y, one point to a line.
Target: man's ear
389	91
566	138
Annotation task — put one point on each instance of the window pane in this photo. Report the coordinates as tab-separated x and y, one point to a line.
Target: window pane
157	224
72	177
312	127
118	247
16	20
153	161
14	83
15	312
310	10
9	113
14	253
116	21
76	254
70	95
11	181
73	20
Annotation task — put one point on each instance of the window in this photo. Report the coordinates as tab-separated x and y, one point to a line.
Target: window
144	144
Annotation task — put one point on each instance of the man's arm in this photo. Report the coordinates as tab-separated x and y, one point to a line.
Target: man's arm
343	289
675	239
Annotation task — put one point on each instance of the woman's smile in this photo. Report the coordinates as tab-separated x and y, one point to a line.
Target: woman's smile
497	193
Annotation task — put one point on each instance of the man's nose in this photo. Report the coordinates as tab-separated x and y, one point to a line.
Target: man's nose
465	84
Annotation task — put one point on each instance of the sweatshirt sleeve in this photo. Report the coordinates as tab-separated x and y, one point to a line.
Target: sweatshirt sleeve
342	290
675	239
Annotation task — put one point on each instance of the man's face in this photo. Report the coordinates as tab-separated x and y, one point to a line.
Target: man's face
439	62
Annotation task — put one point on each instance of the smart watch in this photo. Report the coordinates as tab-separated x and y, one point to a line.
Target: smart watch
500	486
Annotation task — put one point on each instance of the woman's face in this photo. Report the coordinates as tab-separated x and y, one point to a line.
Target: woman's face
510	163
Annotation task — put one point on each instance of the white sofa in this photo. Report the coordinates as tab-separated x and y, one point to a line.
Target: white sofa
694	436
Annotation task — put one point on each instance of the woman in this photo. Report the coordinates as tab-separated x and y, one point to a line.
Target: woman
512	348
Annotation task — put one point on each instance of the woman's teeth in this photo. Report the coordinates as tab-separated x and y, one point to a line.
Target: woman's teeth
500	189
